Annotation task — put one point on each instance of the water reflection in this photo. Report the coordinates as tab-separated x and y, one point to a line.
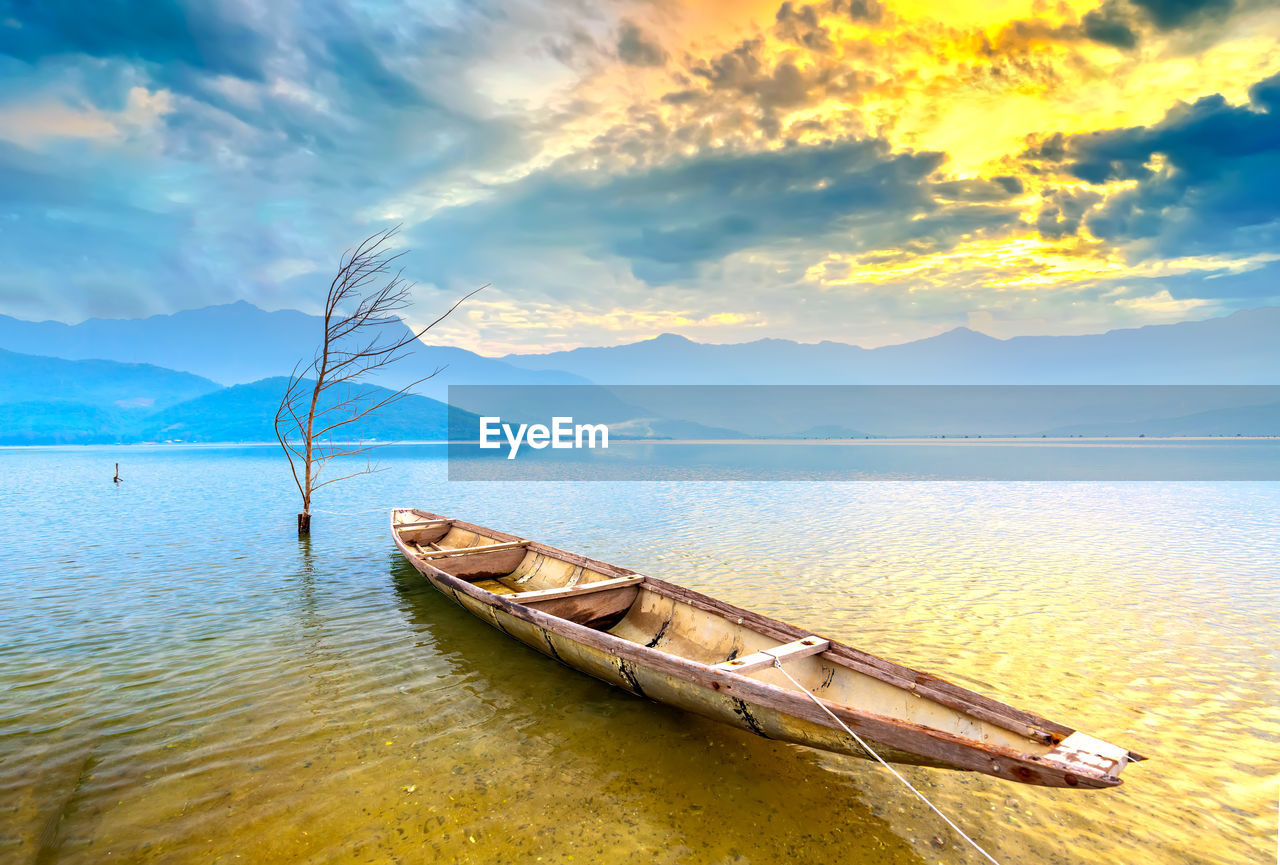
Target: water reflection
182	681
635	775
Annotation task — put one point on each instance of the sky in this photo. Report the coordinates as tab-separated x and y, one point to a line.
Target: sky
866	171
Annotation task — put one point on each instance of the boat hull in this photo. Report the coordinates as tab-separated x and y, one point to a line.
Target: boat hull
757	707
617	665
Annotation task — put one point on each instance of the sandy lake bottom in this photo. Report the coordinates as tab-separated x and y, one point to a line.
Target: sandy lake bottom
183	681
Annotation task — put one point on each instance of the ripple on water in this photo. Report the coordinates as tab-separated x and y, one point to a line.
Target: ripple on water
183	681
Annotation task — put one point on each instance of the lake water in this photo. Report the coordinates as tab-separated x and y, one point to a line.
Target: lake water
182	680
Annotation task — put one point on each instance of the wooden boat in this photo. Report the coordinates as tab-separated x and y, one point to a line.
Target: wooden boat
676	646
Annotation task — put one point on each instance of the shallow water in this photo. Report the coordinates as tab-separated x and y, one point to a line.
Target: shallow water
182	680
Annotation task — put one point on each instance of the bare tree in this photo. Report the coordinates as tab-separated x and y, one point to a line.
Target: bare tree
360	337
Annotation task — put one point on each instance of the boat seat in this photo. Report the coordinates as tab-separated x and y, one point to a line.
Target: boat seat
579	589
444	552
422	524
800	648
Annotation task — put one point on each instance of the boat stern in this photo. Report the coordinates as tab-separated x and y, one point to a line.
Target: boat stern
1092	758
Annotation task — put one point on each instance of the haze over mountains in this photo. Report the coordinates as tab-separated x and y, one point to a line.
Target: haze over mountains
238	343
97	382
1242	348
161	378
55	401
45	400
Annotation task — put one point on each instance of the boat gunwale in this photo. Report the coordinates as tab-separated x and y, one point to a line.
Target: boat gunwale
961	751
534	546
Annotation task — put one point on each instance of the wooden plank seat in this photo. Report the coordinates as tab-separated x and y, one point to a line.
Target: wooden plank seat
508	586
801	648
422	524
468	551
598	604
575	590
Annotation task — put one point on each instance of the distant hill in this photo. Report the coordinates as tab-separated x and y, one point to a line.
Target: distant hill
139	406
245	413
53	401
40	422
1258	420
46	400
857	411
1241	348
56	400
101	383
238	343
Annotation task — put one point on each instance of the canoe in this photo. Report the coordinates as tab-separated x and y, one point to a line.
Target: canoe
673	645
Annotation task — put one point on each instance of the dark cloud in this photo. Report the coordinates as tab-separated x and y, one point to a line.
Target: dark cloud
637	49
756	90
1118	23
364	65
1170	14
1046	149
206	36
1011	185
1205	176
1062	212
979	190
669	221
1111	24
802	26
870	11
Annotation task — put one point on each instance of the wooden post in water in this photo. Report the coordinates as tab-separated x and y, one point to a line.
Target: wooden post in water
304	524
116	479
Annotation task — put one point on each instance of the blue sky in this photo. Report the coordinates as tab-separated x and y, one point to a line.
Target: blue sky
862	171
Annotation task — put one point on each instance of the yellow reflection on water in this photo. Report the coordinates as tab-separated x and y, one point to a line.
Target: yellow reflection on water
323	704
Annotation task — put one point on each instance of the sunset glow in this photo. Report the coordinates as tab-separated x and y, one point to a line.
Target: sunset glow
850	169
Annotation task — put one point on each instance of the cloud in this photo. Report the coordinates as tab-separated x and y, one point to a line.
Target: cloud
33	123
283	132
627	164
802	26
1063	210
637	49
668	221
1170	14
213	37
1201	180
871	11
1111	24
509	324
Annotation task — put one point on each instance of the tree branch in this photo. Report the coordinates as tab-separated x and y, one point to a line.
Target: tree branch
353	345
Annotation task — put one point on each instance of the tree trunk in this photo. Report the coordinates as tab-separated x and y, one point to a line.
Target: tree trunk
304	524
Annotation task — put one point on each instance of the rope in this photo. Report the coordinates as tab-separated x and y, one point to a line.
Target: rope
868	749
350	513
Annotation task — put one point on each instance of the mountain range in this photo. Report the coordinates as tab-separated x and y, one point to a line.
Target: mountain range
1241	348
55	401
238	343
213	374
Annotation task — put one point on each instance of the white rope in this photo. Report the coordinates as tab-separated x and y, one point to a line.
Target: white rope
869	750
350	513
